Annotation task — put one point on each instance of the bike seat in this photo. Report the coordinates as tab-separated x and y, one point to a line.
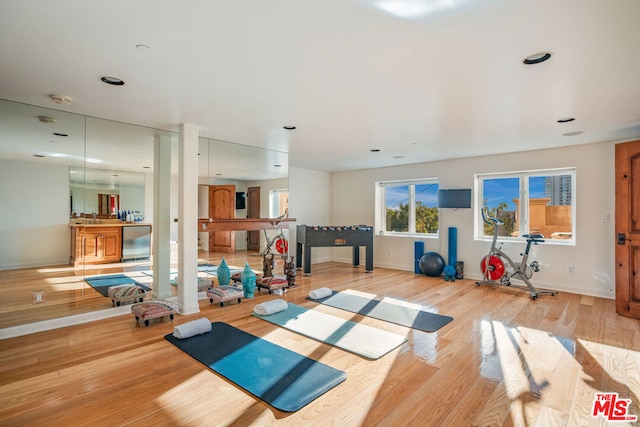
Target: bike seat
534	237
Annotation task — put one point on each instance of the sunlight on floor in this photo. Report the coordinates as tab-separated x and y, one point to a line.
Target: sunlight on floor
425	345
391	300
215	393
68	286
534	366
82	268
616	362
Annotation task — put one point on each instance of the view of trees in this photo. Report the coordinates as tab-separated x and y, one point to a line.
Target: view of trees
508	217
426	218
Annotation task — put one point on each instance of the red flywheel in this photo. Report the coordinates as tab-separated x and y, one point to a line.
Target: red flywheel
282	246
492	267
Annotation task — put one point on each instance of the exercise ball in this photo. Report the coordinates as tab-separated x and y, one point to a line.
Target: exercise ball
432	264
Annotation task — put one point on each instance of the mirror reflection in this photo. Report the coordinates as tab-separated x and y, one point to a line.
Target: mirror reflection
106	193
62	173
234	183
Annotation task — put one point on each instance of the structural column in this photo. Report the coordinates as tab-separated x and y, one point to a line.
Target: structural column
188	220
161	217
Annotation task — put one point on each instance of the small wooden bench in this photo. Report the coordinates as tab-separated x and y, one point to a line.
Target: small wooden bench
272	283
222	294
152	310
124	294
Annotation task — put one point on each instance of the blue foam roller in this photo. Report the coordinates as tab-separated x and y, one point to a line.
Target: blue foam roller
418	248
453	246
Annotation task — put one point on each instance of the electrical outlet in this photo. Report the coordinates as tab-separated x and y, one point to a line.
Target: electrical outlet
606	218
37	297
570	269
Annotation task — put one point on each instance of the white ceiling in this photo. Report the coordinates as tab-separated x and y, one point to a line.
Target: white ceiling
419	80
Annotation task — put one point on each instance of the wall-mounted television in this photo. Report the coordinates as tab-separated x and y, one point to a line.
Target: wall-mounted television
454	199
240	200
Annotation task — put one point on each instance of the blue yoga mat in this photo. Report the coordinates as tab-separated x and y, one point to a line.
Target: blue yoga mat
103	283
284	379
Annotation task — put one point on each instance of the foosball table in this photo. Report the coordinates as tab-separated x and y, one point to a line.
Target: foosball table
309	236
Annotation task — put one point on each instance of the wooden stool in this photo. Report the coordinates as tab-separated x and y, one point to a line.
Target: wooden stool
123	294
272	283
153	310
223	294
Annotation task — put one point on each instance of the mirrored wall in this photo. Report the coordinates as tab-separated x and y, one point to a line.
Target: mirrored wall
61	172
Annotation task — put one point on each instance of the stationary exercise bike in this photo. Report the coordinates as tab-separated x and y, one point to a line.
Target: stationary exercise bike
498	268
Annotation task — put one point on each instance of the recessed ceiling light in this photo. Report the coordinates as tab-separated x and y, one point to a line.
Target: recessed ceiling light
112	80
277	166
218	174
536	58
38	155
374	150
289	127
60	134
61	99
146	167
566	119
578	132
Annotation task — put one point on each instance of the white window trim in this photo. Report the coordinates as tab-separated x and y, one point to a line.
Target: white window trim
381	208
274	206
524	190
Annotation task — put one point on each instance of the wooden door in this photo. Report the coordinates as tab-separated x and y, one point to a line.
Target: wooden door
628	229
111	249
222	206
90	247
253	211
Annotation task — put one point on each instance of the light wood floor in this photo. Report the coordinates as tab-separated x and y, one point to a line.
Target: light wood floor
66	293
505	360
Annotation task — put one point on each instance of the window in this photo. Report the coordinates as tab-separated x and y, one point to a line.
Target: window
529	202
278	202
407	207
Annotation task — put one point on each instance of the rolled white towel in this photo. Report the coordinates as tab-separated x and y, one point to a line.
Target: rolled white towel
320	293
271	307
189	329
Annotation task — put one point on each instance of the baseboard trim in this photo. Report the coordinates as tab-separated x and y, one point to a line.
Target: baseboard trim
75	319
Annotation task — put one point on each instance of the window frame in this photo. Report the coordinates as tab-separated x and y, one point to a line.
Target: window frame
275	210
523	207
381	208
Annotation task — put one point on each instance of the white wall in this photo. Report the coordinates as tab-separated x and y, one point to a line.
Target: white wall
133	199
34	214
352	202
309	203
28	238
